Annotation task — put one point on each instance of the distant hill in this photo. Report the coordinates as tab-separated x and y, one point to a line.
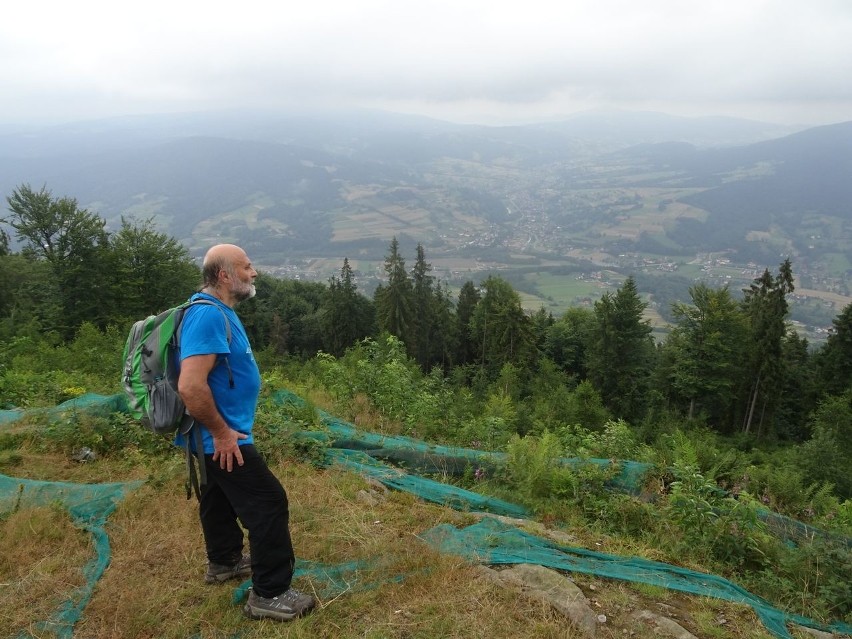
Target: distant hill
298	175
782	182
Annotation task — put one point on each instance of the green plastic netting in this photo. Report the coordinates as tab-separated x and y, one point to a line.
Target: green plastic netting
488	542
451	460
90	403
89	506
492	542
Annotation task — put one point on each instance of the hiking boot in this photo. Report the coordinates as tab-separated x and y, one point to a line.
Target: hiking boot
286	606
217	573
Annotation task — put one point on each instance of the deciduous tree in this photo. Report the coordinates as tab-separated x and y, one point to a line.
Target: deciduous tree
74	243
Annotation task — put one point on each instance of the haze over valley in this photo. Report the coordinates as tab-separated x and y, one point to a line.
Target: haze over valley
563	210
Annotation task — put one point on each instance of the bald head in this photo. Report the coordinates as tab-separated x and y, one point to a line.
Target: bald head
228	273
218	258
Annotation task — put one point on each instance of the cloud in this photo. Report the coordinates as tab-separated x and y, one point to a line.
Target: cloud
96	57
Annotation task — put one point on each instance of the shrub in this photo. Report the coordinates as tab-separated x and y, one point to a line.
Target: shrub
812	578
714	525
533	463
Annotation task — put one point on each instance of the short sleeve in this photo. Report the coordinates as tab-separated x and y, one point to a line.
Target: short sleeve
203	332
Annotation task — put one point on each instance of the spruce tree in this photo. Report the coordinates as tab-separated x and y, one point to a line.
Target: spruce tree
621	350
765	303
424	308
500	329
706	347
394	300
469	297
834	360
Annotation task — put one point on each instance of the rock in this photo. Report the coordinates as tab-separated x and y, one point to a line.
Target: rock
549	586
84	455
663	625
368	498
376	486
814	632
559	536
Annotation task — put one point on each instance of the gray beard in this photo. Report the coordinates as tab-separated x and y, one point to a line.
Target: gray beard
245	294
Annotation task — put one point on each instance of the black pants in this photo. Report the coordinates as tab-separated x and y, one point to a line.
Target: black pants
252	494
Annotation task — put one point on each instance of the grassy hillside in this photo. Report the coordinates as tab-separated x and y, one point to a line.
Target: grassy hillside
362	549
154	585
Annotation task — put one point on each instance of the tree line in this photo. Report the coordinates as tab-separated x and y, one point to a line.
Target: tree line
733	365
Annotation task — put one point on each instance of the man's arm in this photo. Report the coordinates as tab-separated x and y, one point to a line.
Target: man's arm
196	394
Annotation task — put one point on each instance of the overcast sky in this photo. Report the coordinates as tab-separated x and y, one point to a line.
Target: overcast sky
488	61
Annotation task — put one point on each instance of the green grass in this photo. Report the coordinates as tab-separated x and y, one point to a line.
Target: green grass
837	263
559	292
154	586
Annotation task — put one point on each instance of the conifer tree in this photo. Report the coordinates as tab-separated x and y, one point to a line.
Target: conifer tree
444	342
394	300
706	348
567	340
424	308
621	350
834	360
469	297
500	329
344	317
765	303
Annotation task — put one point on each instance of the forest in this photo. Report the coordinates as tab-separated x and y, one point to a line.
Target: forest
736	412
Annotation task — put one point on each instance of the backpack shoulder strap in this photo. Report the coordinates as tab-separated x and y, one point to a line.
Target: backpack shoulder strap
187	428
224	316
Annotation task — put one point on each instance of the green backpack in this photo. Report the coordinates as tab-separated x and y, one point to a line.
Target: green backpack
149	378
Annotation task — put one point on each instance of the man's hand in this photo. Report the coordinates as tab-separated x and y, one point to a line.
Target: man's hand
226	448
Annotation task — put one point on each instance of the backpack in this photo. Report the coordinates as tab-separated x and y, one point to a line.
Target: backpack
149	378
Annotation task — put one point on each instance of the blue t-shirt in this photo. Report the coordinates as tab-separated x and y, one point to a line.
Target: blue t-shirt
203	332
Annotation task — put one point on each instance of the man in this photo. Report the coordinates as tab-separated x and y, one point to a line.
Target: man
219	383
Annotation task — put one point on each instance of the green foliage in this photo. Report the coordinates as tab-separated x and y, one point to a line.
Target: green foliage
783	488
704	350
566	340
115	435
74	244
765	305
274	424
616	440
533	465
537	474
812	577
382	371
714	525
825	457
71	271
500	330
345	316
483	433
834	361
34	389
395	300
621	351
151	271
38	373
